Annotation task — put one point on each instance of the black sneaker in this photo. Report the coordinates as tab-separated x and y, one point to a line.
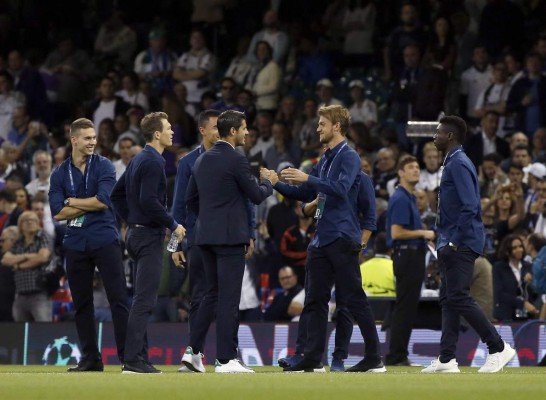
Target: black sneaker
366	366
306	366
290	361
139	367
87	366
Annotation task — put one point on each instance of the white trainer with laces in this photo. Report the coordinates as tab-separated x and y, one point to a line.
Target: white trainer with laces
496	362
450	367
193	362
232	367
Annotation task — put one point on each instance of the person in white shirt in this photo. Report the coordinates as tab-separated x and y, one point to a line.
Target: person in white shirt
194	68
430	176
125	154
325	93
475	80
131	93
277	39
9	101
41	161
362	110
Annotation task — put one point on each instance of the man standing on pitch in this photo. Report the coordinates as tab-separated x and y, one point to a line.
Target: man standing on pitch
333	253
139	197
460	241
79	193
217	193
406	236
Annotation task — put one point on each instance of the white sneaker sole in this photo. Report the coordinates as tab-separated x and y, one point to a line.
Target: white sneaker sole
445	371
315	370
511	354
234	372
139	373
190	366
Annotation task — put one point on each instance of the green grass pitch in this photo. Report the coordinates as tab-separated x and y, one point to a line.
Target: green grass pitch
399	383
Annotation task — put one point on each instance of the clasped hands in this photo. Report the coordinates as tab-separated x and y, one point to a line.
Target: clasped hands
290	175
270	175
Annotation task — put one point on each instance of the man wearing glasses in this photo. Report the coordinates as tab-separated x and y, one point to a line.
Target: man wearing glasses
228	101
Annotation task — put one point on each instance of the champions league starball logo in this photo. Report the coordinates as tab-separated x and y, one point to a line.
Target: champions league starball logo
61	352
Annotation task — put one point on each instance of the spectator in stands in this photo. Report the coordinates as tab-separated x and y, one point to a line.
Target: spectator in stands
494	97
229	91
514	67
28	81
67	68
264	122
508	203
277	40
7	283
313	64
106	139
28	256
441	50
517	139
245	99
125	155
491	244
194	68
240	68
540	48
486	141
359	26
295	241
429	179
289	115
428	217
8	208
538	151
522	156
537	210
408	33
42	166
325	93
115	43
130	91
527	98
534	244
474	81
282	308
108	105
384	171
465	40
22	199
377	273
155	64
360	138
536	172
283	149
512	278
265	79
363	109
491	175
9	101
308	138
46	220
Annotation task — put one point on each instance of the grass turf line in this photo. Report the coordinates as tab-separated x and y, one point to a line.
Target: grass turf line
47	382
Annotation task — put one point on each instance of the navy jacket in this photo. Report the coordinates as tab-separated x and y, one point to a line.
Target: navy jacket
366	203
337	176
507	293
140	194
217	193
179	209
460	209
100	227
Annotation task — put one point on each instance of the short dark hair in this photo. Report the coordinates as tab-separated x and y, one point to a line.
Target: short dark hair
151	123
204	117
79	124
8	195
405	160
491	112
537	241
505	248
8	77
495	157
229	119
457	124
380	244
522	147
516	165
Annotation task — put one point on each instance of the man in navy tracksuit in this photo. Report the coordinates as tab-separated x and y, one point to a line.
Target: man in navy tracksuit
460	241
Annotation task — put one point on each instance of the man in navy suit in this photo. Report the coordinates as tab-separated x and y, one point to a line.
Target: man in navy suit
217	193
461	238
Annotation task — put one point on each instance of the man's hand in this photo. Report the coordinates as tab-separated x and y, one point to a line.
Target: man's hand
293	175
180	231
429	235
310	208
178	259
270	175
249	249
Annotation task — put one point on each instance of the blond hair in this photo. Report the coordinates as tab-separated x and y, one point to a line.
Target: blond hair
337	114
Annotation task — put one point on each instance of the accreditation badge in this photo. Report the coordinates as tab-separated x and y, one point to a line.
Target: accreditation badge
76	222
320	206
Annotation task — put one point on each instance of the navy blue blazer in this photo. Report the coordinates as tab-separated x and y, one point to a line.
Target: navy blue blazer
217	193
507	293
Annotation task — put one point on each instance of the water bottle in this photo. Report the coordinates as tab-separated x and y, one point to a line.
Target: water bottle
173	243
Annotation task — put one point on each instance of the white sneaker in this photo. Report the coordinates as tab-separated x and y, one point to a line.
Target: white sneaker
450	367
184	369
193	362
232	367
495	362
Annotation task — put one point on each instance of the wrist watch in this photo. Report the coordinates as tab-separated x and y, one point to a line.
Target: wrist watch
67	202
364	245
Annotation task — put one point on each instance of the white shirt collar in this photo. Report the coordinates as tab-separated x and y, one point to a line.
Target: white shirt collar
225	141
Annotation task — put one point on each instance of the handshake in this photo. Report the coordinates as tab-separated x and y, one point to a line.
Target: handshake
270	175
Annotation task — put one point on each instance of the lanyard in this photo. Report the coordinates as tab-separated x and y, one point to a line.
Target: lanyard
332	162
449	156
85	177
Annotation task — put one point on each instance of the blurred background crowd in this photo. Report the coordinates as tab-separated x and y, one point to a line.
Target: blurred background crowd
388	61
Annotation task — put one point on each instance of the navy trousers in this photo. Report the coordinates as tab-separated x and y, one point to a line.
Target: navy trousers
145	247
80	268
198	282
337	263
456	269
224	269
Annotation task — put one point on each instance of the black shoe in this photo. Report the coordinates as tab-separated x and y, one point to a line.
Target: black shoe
139	367
306	366
542	362
366	366
290	361
87	366
403	363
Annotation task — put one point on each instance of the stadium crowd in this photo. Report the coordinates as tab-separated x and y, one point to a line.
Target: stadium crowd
278	61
